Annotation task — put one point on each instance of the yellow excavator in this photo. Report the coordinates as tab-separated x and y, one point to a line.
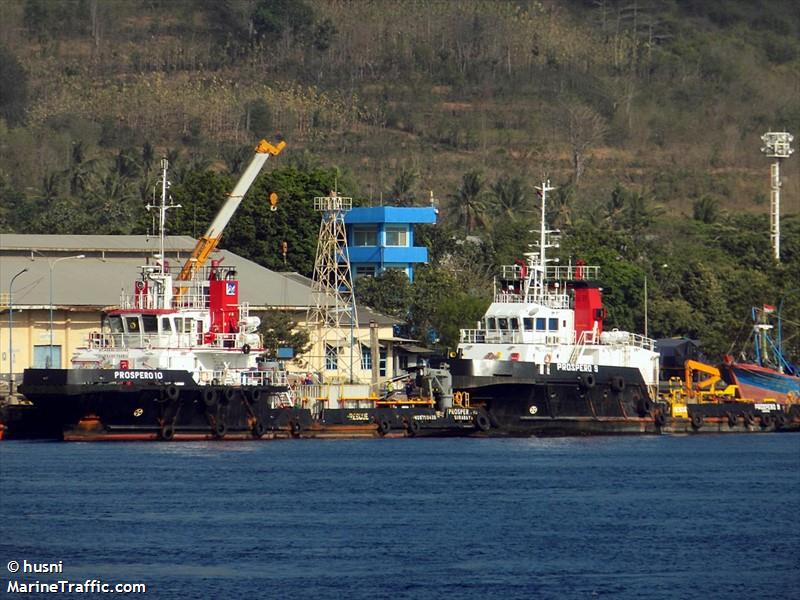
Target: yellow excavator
207	243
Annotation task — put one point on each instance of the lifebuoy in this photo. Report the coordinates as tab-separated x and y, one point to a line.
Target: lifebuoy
482	422
660	419
258	429
209	396
617	383
167	432
458	398
384	427
732	419
697	421
173	392
220	429
413	427
246	349
588	381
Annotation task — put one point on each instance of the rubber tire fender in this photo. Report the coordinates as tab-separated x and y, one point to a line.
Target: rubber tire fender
766	421
255	394
482	422
173	392
229	394
732	420
617	383
209	396
697	421
166	433
220	429
296	428
246	349
384	426
660	419
748	418
413	427
588	381
258	429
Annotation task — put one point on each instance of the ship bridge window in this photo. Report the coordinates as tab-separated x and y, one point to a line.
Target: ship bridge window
184	325
553	325
541	322
150	323
502	323
491	323
514	324
527	322
132	324
166	325
114	324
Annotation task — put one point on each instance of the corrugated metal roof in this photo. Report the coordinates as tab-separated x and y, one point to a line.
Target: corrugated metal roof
113	263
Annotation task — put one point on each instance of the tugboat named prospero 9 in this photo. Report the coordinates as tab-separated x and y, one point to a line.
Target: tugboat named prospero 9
541	363
177	359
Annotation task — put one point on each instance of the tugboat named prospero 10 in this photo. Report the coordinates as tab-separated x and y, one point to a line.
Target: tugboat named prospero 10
541	363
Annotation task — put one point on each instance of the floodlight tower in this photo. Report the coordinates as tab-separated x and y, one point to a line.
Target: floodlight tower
332	316
777	145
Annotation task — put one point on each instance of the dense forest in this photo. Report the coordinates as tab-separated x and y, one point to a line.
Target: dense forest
646	115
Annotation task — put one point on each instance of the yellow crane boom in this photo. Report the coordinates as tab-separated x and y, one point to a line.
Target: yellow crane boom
207	243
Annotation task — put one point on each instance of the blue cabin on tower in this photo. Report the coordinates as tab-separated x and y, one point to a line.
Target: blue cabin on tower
382	237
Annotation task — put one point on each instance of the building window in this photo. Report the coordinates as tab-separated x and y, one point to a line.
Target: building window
365	271
540	324
382	363
365	235
403	362
396	235
366	358
331	357
553	325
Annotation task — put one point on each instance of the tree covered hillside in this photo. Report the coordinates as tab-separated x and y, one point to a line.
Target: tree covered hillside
646	114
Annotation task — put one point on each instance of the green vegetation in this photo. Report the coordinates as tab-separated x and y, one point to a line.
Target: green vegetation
646	115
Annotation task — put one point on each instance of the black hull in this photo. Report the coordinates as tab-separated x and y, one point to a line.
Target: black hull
89	405
525	399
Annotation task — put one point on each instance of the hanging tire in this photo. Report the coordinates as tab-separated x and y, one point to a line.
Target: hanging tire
209	397
482	422
413	427
697	421
255	394
258	430
220	429
660	419
617	383
229	394
246	349
588	381
173	392
167	433
748	419
384	427
644	406
780	421
732	420
296	428
766	421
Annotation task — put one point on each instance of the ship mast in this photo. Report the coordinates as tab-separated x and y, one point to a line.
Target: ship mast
162	213
537	261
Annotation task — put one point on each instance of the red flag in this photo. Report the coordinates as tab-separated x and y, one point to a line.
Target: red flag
768	308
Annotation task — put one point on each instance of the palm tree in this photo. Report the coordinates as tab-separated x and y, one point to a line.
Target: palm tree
470	202
510	195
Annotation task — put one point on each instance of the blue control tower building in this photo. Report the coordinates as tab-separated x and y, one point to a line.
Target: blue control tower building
382	237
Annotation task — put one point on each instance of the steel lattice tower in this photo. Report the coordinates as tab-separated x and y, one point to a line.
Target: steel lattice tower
332	317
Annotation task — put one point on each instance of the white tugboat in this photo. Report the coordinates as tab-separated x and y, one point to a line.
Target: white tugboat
540	362
179	357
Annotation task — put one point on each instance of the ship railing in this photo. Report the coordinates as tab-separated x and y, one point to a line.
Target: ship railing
553	273
626	338
267	377
506	336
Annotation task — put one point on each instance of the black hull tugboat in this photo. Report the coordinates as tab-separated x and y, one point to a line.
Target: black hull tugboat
178	359
540	363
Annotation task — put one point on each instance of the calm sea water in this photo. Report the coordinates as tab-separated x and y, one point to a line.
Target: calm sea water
645	517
